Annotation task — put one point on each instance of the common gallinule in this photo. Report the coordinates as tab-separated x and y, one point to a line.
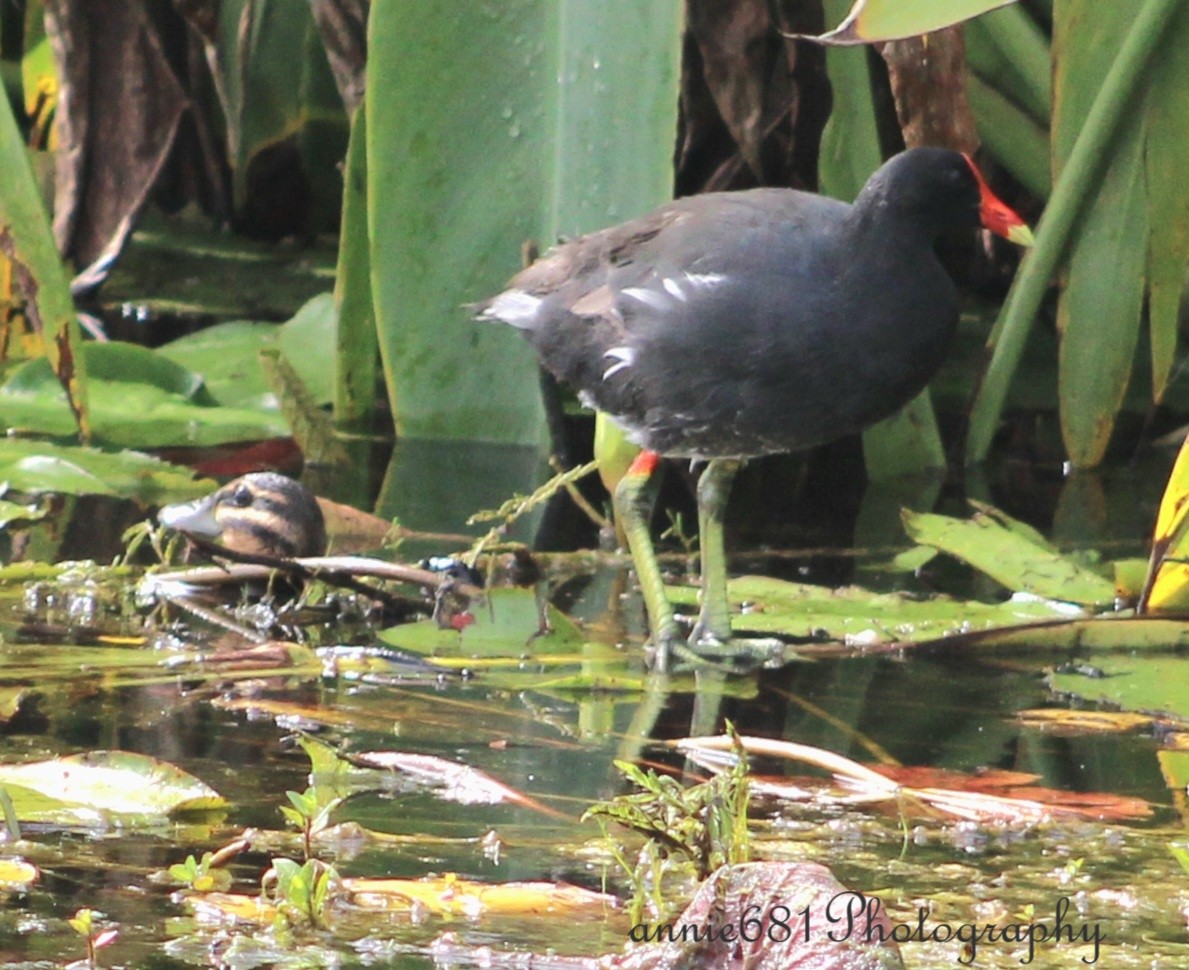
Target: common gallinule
728	325
261	514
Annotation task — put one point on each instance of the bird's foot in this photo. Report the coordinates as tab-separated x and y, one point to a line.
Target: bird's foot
705	648
710	639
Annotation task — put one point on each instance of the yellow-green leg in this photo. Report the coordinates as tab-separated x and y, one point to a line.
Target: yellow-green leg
714	615
633	505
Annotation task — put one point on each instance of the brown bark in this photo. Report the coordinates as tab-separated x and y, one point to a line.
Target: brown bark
928	78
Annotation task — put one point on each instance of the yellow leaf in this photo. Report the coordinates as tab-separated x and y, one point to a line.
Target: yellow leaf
1167	582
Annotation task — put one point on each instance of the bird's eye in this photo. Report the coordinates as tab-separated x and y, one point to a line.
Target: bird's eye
241	497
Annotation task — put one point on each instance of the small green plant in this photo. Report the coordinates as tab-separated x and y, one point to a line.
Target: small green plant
166	544
85	924
1181	854
689	830
677	530
301	893
203	875
310	814
12	825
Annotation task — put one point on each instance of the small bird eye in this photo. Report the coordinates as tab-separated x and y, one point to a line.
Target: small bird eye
241	497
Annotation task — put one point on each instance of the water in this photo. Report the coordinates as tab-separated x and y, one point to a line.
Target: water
233	729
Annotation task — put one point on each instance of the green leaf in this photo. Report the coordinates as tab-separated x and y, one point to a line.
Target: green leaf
858	616
876	20
356	358
33	268
180	265
850	142
39	74
531	139
1006	551
281	96
37	467
1099	313
507	625
15	512
907	443
1155	681
1166	146
227	355
110	781
1010	53
1018	143
1078	180
138	398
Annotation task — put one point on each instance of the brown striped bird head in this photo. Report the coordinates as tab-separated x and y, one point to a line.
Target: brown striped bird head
262	514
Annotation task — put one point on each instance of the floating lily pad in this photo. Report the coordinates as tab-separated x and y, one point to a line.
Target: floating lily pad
137	398
854	615
228	355
508	624
37	467
1011	553
17	874
74	788
1154	683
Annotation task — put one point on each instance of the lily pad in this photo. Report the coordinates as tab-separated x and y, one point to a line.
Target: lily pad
858	616
1012	554
508	625
38	467
137	398
228	355
105	781
1156	683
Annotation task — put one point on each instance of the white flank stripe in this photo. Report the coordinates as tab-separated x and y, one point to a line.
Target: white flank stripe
671	286
624	357
514	307
650	298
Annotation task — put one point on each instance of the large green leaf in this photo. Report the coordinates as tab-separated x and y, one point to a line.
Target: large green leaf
860	617
1099	313
850	142
1017	142
1009	51
355	359
1010	91
119	782
30	265
278	90
181	265
1154	682
36	467
876	20
1096	135
1012	554
489	126
139	399
227	355
1166	146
